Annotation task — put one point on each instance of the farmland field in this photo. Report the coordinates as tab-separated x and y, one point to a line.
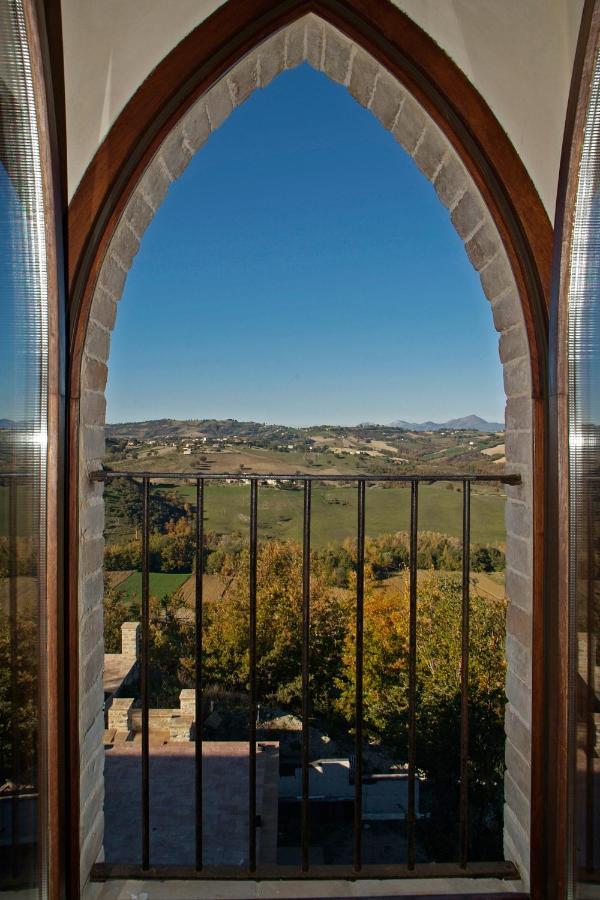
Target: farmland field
160	584
334	511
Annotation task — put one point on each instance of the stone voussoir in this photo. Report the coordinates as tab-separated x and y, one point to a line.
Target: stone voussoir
519	589
496	277
154	184
362	77
196	126
451	181
468	215
124	244
337	56
314	40
244	78
175	152
294	44
410	125
431	151
483	246
97	341
272	58
517	377
506	309
513	344
388	99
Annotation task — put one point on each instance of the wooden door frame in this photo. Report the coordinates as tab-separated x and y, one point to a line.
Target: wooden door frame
412	56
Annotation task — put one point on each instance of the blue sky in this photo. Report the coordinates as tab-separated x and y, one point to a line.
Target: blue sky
303	271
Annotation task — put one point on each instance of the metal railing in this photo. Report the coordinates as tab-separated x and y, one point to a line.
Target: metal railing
463	867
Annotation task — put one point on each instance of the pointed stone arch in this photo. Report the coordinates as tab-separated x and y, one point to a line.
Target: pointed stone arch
314	40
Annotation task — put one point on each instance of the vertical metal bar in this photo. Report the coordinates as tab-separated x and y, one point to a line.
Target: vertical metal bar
199	684
144	676
358	703
305	672
252	661
464	680
412	674
14	677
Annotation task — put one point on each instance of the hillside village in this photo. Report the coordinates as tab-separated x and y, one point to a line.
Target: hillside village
229	445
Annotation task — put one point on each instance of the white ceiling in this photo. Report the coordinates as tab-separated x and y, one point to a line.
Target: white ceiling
518	53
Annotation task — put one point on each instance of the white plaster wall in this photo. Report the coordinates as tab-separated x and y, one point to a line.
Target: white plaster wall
518	53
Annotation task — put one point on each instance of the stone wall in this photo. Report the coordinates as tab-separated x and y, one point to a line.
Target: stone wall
327	50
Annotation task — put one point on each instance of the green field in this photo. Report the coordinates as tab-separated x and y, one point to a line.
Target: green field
160	584
334	511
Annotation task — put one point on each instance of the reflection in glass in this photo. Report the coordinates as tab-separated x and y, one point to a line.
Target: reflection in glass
23	347
584	453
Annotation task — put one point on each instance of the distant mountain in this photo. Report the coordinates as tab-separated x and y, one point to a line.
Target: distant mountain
7	423
470	423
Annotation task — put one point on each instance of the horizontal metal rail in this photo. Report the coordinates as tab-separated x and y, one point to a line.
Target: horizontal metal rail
254	868
504	870
107	474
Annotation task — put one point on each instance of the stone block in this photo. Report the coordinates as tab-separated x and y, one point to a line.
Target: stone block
519	414
130	639
196	125
92	442
451	181
431	151
244	78
97	341
94	374
517	377
506	310
90	705
483	246
467	215
519	553
294	44
112	277
91	556
519	695
519	626
92	410
314	39
517	856
337	56
93	738
519	446
138	213
518	659
518	733
362	77
516	842
119	714
387	99
125	243
91	586
180	728
409	125
91	845
272	58
91	812
92	774
497	278
154	185
517	801
520	491
187	702
519	589
104	308
513	344
92	667
175	153
91	631
517	516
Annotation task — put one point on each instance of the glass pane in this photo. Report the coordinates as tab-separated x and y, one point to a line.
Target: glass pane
584	451
23	348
